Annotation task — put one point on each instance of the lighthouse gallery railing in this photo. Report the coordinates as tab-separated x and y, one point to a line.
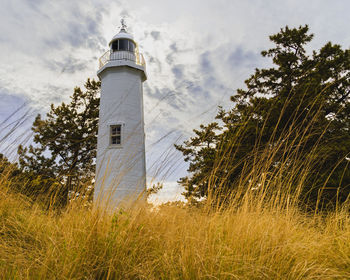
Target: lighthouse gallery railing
122	55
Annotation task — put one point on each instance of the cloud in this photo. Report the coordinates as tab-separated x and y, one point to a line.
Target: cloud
67	65
178	71
155	35
197	52
205	63
173	47
9	103
239	57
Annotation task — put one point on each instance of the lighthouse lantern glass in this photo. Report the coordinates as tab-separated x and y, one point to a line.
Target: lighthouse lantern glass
123	45
131	46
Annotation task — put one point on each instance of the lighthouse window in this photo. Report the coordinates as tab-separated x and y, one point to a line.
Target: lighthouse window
116	134
123	45
131	46
115	46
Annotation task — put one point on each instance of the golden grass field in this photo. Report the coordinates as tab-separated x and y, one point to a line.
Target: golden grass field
171	242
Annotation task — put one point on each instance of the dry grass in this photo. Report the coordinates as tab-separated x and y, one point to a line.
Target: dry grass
171	243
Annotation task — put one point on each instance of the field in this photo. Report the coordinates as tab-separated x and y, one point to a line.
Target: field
171	242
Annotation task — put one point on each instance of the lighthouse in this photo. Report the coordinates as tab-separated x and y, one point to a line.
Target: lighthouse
120	161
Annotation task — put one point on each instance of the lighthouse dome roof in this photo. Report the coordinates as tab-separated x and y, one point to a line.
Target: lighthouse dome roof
122	35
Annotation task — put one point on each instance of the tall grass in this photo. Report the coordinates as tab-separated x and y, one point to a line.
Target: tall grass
170	243
260	232
260	235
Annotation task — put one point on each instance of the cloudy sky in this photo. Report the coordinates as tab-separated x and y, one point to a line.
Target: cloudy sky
198	52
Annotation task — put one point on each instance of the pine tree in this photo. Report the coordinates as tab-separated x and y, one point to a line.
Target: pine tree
302	97
62	159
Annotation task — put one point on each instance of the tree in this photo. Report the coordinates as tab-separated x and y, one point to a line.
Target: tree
301	105
63	157
8	170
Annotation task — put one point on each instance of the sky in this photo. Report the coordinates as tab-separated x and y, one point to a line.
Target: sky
197	53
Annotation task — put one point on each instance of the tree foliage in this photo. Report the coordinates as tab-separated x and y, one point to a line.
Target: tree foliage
62	158
300	105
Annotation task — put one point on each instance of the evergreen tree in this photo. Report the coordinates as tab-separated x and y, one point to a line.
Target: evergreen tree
62	160
302	97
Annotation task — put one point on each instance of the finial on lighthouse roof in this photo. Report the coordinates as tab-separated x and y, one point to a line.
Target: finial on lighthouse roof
123	29
123	34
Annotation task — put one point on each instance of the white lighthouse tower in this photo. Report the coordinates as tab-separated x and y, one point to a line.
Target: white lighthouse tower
120	163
